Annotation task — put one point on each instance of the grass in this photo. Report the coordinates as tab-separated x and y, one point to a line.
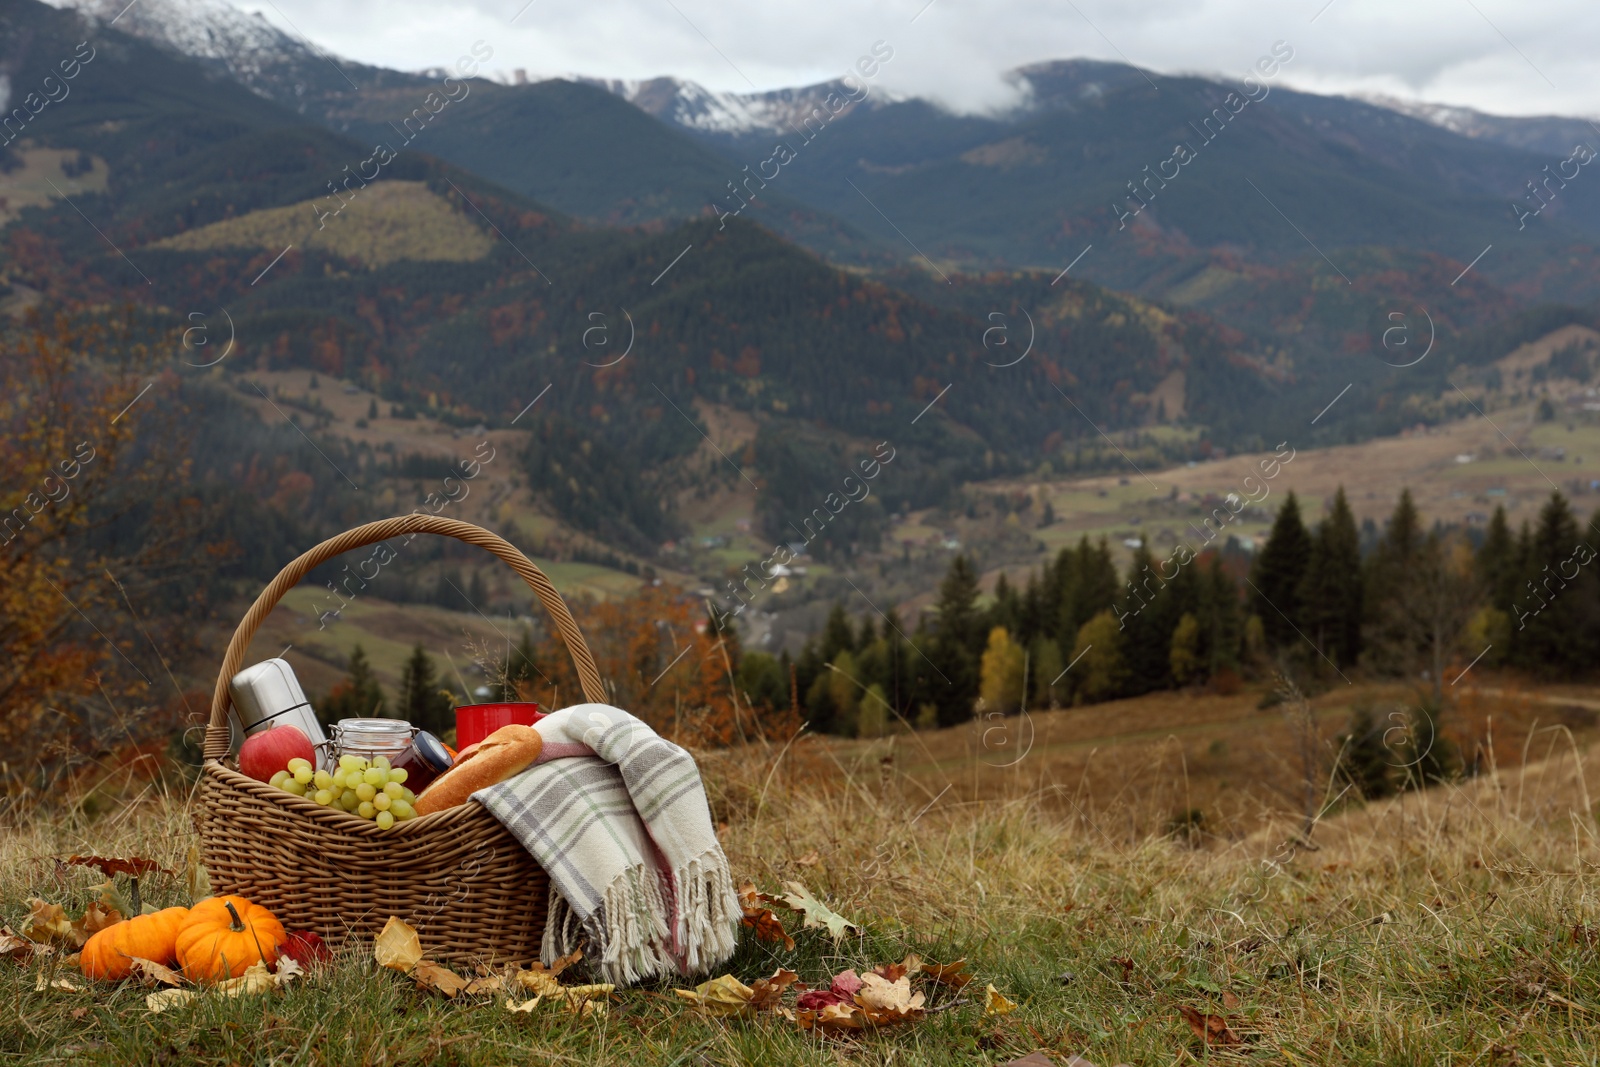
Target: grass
1455	925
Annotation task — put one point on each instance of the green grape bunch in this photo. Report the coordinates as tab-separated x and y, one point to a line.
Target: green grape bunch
369	789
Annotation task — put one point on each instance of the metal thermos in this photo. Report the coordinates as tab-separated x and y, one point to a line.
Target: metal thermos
268	694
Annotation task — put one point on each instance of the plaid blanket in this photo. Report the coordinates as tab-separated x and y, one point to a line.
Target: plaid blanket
618	817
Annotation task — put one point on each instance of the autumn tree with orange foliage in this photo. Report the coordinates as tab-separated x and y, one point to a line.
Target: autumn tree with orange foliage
663	661
82	535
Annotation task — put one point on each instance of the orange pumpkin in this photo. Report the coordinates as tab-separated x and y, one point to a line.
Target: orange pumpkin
109	954
223	936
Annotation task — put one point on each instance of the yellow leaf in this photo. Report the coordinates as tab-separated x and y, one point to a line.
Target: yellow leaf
46	922
539	982
525	1006
161	1001
398	945
63	984
440	979
719	997
152	973
995	1002
885	1003
255	979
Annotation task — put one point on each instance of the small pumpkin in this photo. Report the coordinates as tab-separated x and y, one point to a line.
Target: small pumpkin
223	936
109	954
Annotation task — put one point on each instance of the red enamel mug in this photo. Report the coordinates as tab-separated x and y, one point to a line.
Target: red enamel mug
474	722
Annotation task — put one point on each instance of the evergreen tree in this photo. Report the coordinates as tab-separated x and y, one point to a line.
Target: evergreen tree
1006	611
1279	570
1044	673
1548	615
1147	623
1184	655
866	635
1221	617
1332	592
357	695
957	644
421	702
837	636
1365	762
1497	563
1388	577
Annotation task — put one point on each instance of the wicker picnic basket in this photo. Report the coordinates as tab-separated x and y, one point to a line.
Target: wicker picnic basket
470	888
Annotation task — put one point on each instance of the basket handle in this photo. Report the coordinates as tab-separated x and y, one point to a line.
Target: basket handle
217	733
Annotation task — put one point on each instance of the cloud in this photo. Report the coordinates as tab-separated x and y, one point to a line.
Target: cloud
1500	56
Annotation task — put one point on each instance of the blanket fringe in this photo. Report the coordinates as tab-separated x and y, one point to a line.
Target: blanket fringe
630	924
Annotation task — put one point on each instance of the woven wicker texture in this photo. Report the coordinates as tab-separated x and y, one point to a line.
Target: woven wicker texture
471	890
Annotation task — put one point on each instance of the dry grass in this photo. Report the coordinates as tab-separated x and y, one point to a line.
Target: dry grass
1454	925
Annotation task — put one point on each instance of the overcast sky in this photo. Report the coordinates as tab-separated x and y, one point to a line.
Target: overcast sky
1503	56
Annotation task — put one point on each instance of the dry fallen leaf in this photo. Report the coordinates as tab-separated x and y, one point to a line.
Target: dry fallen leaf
539	981
995	1002
46	922
525	1006
255	979
152	973
767	926
440	979
488	985
397	945
17	947
810	859
96	917
953	975
727	995
815	913
135	866
719	997
1212	1029
288	970
66	985
165	999
1230	1001
885	1003
830	1017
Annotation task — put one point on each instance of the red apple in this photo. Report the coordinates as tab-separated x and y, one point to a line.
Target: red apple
264	754
305	948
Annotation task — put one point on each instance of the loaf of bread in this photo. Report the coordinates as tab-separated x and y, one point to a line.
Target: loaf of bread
508	751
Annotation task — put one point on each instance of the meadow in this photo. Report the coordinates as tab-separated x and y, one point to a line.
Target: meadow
1452	924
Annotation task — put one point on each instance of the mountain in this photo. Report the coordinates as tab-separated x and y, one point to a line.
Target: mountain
1549	134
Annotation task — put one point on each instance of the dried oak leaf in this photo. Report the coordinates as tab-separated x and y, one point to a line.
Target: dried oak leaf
287	970
816	914
1212	1029
996	1003
397	945
766	925
886	1002
46	922
437	977
167	999
152	973
110	866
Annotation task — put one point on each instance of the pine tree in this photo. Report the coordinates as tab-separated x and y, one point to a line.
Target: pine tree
1332	592
1006	611
1365	762
421	702
960	629
837	636
1388	576
1497	563
1279	569
1148	623
357	695
1548	614
866	636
